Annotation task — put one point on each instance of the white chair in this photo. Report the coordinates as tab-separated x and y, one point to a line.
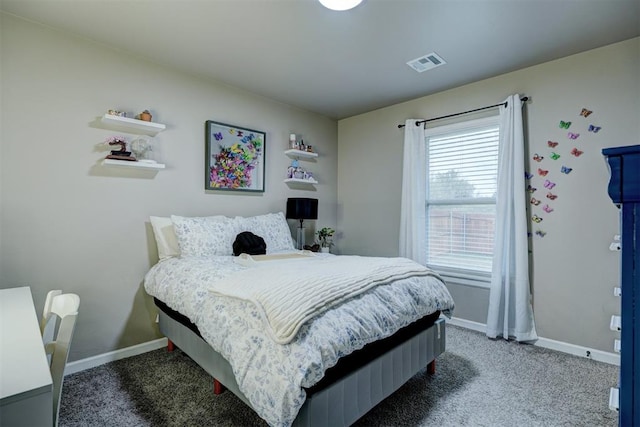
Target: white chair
57	336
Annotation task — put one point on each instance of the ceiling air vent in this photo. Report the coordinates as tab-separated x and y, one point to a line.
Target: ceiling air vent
426	62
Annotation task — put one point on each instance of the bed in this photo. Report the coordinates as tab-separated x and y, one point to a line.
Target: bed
325	368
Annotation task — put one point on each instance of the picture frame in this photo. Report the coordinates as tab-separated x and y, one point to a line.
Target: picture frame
234	158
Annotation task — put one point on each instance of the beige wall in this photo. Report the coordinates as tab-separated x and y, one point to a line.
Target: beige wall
68	223
573	270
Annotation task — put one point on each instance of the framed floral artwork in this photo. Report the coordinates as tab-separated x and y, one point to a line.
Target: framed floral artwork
234	158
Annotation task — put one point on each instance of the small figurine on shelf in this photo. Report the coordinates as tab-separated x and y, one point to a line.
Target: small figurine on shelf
291	170
117	113
145	116
122	153
292	141
301	145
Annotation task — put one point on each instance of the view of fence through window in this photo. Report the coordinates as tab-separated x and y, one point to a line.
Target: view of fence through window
461	198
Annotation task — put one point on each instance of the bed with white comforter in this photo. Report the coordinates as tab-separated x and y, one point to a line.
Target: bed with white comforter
276	355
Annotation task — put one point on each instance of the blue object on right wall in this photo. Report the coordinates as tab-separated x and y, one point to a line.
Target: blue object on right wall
624	190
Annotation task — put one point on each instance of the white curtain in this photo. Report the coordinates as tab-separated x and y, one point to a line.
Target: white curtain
414	192
510	311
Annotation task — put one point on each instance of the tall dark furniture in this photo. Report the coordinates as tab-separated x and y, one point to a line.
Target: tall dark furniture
624	190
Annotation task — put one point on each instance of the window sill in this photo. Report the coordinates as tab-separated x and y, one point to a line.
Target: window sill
466	280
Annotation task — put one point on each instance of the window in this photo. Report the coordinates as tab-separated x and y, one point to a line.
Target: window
461	198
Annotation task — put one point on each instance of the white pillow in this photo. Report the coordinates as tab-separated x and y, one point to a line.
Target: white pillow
272	227
166	239
204	236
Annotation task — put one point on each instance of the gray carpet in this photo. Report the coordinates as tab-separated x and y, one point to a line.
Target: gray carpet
478	382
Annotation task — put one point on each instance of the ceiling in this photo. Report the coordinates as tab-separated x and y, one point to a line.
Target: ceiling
340	64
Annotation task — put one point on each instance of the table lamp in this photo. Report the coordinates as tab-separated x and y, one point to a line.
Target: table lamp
301	208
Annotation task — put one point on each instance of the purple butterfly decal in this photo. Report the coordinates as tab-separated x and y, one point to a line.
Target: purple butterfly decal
594	129
548	184
527	175
572	135
547	209
217	136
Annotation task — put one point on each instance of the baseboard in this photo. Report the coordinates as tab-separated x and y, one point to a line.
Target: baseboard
576	350
123	353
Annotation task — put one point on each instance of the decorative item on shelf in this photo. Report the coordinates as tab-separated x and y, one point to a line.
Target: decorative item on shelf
294	171
145	116
117	113
122	153
301	208
293	144
309	149
325	235
141	148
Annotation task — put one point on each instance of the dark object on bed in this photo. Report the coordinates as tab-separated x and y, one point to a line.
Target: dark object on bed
248	243
345	365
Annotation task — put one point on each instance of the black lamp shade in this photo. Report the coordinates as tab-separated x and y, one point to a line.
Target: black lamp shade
302	208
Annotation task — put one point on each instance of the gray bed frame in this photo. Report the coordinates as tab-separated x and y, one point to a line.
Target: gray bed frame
344	401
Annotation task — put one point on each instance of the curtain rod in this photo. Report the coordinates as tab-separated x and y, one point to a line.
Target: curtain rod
419	122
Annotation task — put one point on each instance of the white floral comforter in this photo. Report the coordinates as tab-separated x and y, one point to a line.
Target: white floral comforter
272	376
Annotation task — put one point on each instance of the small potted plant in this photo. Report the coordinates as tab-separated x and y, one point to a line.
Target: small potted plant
325	235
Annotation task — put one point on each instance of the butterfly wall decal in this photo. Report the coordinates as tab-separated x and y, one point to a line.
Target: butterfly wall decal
566	170
217	136
585	112
594	129
527	175
534	201
542	172
555	156
537	157
531	189
564	125
540	233
576	152
536	218
551	196
547	208
552	144
572	135
548	184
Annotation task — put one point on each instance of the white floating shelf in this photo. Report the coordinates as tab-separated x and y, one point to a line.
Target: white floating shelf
125	124
301	181
131	164
300	154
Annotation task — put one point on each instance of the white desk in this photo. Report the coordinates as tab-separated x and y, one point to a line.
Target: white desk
26	395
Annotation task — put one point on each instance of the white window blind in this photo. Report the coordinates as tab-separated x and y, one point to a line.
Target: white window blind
461	197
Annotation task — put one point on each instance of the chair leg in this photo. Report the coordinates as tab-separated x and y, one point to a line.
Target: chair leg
170	345
431	367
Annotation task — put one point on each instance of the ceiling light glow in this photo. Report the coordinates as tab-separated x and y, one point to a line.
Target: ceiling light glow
340	4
